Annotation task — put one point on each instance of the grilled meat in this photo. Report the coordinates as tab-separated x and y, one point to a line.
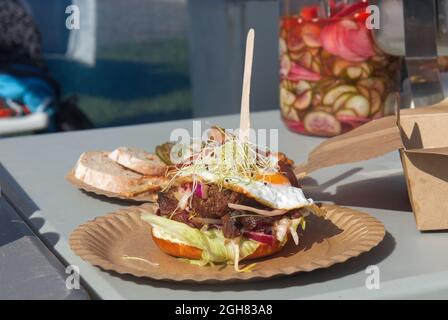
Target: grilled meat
167	202
235	223
215	205
231	227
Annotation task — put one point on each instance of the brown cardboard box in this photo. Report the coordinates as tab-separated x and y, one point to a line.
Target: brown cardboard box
424	157
421	136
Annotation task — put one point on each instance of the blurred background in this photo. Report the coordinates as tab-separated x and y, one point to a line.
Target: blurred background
115	62
82	64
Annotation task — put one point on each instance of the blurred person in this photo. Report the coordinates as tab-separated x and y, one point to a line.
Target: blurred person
26	86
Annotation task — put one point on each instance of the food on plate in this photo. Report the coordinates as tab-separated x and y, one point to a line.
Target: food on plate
138	160
333	77
230	201
97	169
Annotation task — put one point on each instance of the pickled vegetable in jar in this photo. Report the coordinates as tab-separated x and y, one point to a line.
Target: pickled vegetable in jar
333	78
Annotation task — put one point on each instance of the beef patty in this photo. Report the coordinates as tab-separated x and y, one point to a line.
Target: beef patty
215	206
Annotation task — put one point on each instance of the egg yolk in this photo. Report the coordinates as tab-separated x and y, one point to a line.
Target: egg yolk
274	178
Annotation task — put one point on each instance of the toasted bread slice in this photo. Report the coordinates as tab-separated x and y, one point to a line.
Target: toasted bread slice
138	160
96	169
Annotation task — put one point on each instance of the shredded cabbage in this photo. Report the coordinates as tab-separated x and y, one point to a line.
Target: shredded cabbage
215	247
285	224
281	228
293	228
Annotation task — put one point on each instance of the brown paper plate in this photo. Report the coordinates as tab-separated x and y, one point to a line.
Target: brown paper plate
144	197
122	242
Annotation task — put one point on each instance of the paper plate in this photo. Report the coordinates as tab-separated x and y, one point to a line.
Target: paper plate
122	242
144	197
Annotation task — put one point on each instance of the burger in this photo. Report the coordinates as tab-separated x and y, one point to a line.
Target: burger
227	202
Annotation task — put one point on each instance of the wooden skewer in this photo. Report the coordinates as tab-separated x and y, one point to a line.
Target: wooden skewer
245	97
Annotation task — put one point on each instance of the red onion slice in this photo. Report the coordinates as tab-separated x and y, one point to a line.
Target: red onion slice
201	191
198	190
260	237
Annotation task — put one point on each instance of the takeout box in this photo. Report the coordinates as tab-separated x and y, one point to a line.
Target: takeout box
421	136
424	157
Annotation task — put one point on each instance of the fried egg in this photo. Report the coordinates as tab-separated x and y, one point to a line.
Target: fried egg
272	190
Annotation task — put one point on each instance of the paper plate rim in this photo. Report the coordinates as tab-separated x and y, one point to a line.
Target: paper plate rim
376	233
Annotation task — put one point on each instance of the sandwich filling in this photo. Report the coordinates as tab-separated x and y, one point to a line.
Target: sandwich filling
229	198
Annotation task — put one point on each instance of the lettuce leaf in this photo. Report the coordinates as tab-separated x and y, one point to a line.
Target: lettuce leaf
215	247
298	221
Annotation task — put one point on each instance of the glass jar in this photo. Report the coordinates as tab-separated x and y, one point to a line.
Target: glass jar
333	77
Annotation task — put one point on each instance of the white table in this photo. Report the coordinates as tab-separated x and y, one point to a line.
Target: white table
411	264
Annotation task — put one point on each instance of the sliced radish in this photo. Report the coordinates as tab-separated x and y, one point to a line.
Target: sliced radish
322	124
294	42
346	112
290	113
366	69
317	99
326	84
285	84
295	56
298	72
375	101
304	95
282	47
331	96
314	51
286	97
326	61
359	104
339	66
347	39
329	39
303	101
354	72
316	65
341	100
373	83
302	86
326	109
306	59
285	65
311	35
364	91
345	34
359	41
